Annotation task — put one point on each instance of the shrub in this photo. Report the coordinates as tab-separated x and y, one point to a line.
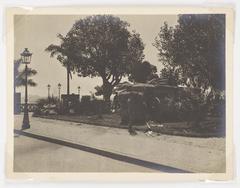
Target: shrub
191	106
47	106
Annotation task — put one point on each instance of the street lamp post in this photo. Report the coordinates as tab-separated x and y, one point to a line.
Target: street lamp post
59	91
48	86
79	92
26	59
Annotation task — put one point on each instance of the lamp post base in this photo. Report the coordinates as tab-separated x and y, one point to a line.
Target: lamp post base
25	124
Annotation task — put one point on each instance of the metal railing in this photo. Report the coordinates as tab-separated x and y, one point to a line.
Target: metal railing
31	107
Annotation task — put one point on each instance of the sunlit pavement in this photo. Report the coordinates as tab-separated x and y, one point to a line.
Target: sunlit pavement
33	155
72	147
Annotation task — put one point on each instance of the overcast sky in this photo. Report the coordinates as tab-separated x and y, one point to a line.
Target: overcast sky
37	32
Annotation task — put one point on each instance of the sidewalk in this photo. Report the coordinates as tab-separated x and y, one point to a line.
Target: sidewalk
202	155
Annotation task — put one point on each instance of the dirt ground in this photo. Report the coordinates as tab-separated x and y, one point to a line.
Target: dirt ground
211	127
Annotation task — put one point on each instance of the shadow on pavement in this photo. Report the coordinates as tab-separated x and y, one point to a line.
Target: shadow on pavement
115	156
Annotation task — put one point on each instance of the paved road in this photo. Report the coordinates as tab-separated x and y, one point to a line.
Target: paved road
32	155
113	146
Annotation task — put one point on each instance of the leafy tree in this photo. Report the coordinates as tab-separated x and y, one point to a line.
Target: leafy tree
171	75
193	52
142	72
102	46
19	75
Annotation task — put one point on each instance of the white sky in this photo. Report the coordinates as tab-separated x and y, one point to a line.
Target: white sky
37	32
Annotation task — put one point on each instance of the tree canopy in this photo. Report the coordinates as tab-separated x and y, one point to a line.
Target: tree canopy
19	75
62	52
143	72
193	52
102	46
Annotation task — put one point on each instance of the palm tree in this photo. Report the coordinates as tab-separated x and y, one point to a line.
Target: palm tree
62	56
19	75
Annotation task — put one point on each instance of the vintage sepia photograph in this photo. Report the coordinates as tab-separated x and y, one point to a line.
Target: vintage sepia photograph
120	92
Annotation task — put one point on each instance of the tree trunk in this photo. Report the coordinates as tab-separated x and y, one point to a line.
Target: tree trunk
68	86
106	96
107	92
